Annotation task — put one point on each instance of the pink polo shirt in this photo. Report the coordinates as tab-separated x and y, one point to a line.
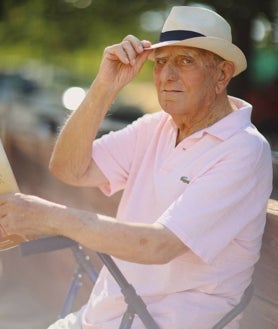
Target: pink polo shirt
211	190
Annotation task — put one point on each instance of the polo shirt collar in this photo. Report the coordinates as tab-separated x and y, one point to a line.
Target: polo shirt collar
233	122
229	125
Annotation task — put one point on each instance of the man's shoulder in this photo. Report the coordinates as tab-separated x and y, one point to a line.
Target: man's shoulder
152	120
249	144
253	138
154	116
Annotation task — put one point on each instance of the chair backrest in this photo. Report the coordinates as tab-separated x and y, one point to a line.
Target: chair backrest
263	309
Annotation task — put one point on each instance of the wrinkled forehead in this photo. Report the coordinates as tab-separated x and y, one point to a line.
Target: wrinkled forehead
183	51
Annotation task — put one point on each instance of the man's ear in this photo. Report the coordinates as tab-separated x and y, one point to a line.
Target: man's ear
226	70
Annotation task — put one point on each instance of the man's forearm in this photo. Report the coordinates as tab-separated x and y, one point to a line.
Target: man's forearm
72	153
29	215
133	242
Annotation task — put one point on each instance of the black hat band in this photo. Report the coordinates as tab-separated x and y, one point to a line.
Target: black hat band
178	35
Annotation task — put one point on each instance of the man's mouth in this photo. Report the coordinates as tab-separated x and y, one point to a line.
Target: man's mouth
171	91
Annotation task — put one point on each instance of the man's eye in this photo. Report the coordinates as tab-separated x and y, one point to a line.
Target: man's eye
186	60
160	61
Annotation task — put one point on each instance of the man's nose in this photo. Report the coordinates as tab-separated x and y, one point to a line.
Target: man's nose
170	72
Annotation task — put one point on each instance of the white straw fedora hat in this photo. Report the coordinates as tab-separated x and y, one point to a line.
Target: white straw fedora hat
201	28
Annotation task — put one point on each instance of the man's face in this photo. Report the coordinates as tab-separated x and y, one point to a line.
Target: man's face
185	79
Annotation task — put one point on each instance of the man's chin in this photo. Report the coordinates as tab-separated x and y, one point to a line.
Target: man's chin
171	109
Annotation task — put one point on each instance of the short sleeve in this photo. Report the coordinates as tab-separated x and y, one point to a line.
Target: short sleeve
116	152
113	154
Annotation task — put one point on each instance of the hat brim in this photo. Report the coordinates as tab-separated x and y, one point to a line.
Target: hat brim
221	47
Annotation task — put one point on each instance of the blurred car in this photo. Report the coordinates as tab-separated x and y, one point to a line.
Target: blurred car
25	105
118	117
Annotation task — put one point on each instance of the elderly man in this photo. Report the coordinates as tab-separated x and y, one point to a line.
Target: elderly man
195	176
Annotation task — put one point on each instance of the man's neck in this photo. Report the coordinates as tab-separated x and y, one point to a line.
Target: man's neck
189	125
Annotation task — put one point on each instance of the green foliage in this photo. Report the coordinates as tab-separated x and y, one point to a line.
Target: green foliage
73	33
61	33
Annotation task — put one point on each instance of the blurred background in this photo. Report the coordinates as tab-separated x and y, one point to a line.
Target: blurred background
50	52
